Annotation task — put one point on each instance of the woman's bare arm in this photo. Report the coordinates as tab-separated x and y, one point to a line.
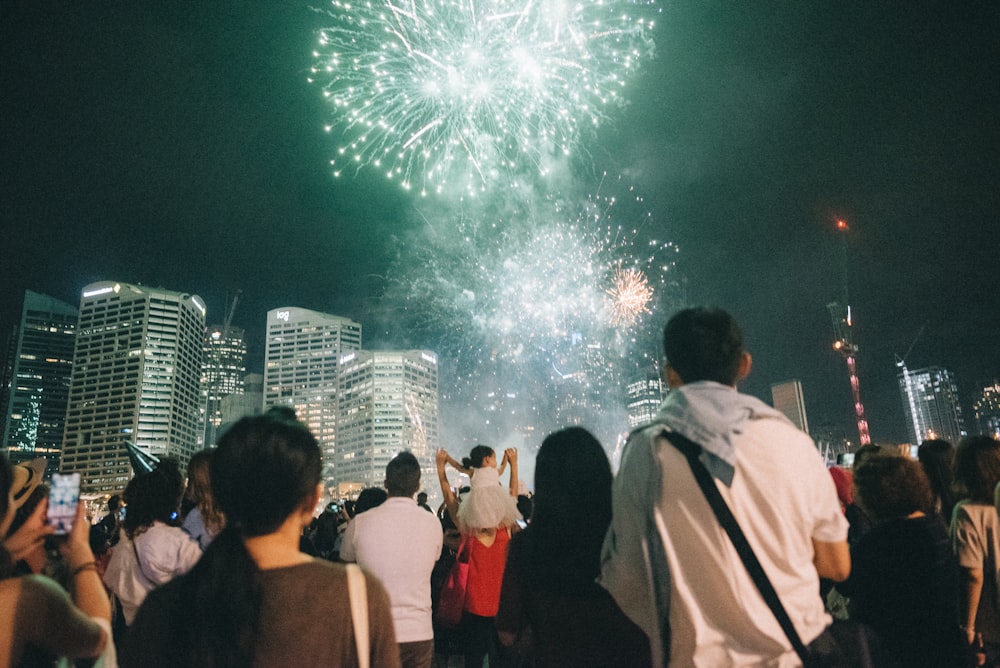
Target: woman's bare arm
457	465
511	456
450	502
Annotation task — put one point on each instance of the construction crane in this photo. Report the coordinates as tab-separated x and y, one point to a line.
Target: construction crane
840	313
230	312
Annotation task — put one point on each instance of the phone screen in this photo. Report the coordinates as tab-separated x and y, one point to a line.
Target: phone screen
64	495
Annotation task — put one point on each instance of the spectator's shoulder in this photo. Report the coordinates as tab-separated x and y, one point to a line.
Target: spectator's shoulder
34	590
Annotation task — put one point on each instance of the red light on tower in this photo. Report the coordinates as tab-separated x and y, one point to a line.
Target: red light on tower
842	225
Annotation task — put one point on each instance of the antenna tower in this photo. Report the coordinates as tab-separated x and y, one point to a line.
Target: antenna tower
840	313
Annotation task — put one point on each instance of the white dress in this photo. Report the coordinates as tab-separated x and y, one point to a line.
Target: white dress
488	505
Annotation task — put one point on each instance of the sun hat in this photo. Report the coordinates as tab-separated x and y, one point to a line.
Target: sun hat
27	476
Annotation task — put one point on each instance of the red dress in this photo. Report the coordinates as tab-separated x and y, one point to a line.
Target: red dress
486	564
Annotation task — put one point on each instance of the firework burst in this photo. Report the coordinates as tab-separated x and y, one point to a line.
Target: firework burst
558	303
629	296
451	95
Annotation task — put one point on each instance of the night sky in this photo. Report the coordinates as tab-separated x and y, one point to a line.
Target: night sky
178	144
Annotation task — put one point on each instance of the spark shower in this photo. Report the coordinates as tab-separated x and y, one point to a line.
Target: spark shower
455	95
542	301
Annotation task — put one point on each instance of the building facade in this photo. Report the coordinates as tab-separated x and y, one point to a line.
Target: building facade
136	377
787	398
387	402
222	374
986	410
643	395
300	369
34	388
931	404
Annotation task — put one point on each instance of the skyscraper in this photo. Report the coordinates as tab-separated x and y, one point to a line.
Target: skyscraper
236	406
36	375
136	377
387	402
788	399
222	374
644	394
986	410
300	368
930	404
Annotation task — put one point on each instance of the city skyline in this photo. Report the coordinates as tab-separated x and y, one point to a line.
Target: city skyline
183	147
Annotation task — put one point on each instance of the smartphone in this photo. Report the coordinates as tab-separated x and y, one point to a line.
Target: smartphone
64	494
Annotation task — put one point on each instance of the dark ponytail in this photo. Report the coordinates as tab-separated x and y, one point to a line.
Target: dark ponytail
264	469
226	600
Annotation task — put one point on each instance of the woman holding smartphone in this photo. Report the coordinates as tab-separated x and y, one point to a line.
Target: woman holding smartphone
36	614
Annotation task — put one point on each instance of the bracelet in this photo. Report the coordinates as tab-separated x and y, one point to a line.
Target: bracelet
86	566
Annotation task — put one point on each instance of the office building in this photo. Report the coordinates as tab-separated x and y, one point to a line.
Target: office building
387	402
232	407
930	404
136	377
300	368
644	394
35	381
222	374
986	410
788	400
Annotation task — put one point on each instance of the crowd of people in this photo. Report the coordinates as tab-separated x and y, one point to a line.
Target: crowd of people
723	540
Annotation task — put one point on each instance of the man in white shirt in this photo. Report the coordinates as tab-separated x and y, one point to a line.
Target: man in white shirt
399	543
667	561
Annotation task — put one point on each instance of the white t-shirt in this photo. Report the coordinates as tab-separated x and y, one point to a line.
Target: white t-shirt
399	542
782	497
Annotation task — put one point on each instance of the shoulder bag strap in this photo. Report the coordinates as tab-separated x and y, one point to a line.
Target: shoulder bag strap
691	450
357	592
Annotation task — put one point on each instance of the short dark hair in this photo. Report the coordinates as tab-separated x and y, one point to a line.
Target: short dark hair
891	486
703	343
368	498
402	475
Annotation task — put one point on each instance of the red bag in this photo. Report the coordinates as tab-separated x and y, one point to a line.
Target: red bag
452	600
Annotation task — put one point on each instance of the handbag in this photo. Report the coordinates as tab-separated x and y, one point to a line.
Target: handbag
844	644
452	600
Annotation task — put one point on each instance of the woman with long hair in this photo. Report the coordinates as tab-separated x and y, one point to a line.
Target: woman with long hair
254	599
204	521
548	585
153	549
975	531
38	617
937	457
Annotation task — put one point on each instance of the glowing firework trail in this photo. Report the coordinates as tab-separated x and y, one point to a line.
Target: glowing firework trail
447	95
